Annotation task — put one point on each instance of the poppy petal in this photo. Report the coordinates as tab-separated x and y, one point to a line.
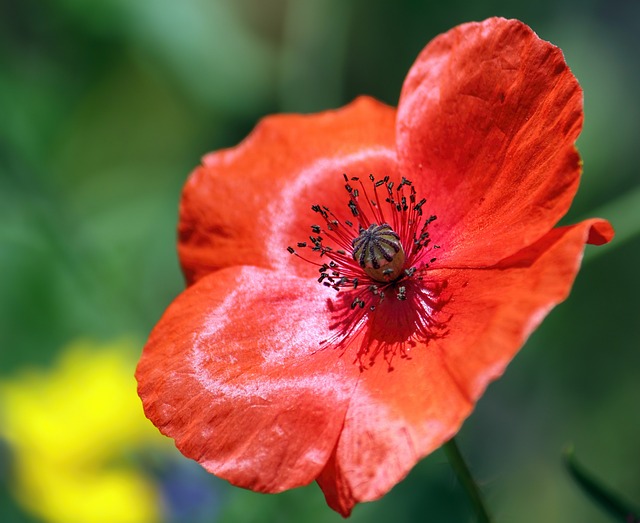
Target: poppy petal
398	416
234	374
233	205
394	419
487	121
497	308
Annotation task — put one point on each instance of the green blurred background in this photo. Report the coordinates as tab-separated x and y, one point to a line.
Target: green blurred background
106	106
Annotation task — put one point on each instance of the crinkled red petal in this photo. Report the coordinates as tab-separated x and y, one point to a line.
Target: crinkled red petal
487	121
497	308
233	372
398	416
245	205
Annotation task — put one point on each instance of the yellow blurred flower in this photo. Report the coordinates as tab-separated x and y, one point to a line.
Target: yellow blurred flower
71	430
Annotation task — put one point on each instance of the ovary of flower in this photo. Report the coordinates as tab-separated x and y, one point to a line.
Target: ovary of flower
67	426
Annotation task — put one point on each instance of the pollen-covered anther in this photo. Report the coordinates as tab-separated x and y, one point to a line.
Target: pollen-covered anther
379	252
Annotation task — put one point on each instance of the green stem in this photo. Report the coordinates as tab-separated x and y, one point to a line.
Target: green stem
464	476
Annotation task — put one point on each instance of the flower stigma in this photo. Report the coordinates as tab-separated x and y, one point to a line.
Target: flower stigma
378	261
379	252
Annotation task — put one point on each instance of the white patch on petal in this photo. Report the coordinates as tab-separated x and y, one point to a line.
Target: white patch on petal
278	220
285	342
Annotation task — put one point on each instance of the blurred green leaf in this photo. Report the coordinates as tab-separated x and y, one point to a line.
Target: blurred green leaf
609	501
314	54
204	45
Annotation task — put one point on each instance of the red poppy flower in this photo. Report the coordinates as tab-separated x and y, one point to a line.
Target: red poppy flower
424	254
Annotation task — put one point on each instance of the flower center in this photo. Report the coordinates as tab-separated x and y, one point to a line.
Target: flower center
388	219
378	259
379	252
